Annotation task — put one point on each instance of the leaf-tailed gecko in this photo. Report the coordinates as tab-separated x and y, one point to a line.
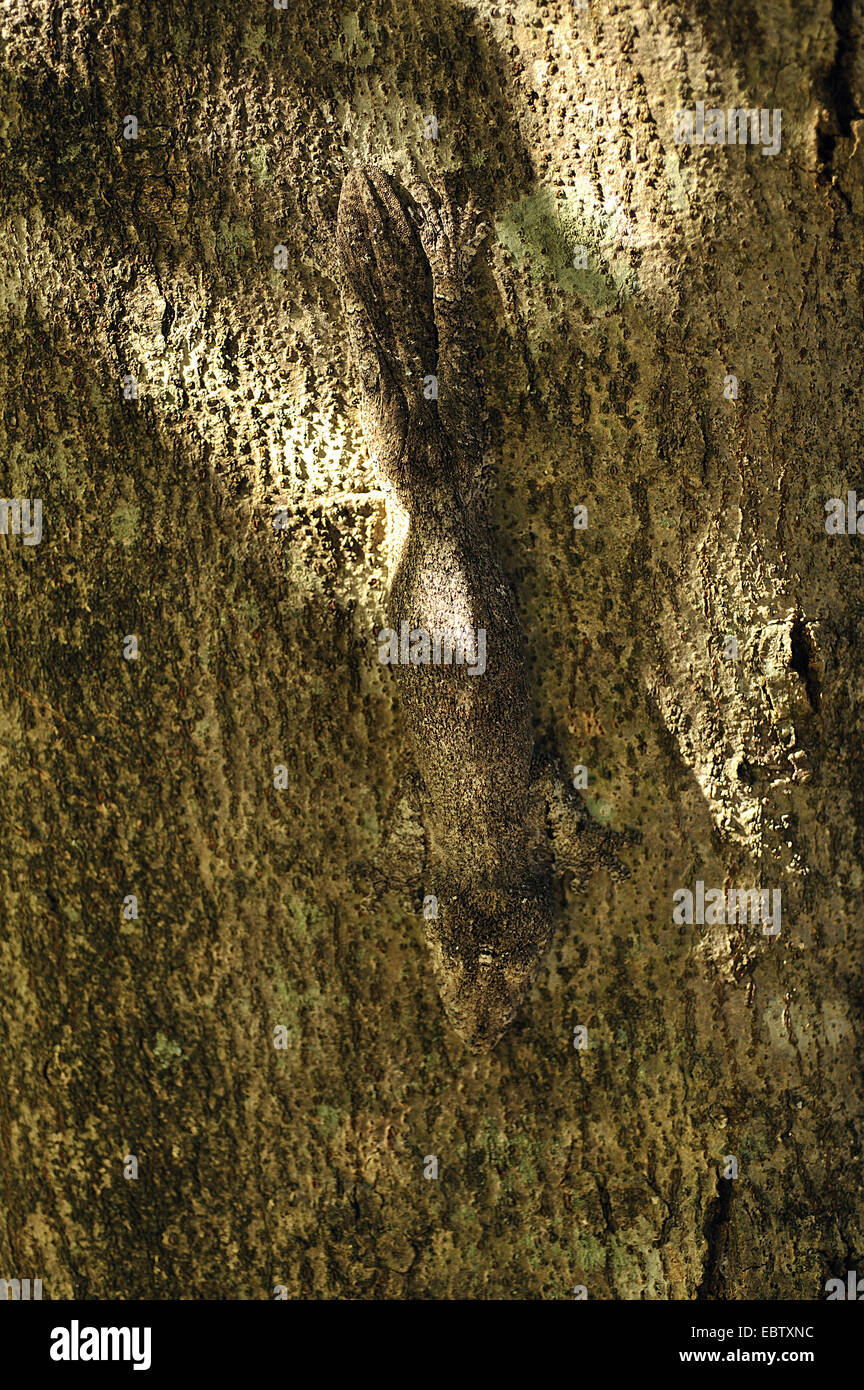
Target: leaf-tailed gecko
500	819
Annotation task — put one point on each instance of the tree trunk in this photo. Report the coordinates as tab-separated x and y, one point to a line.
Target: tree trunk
671	337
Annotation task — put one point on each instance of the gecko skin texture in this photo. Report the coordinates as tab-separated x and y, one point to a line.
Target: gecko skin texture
500	821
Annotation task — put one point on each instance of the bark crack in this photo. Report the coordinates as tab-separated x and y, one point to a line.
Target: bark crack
802	663
716	1232
841	107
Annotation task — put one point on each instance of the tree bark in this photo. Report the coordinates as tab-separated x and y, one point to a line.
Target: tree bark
180	394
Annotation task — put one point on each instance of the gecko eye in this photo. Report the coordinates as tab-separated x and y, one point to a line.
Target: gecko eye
485	955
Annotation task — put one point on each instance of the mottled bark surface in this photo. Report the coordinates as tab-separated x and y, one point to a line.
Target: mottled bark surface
300	908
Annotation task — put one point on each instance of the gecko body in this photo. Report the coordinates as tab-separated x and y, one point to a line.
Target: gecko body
499	820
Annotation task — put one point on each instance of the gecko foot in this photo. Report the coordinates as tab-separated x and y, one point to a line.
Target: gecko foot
450	239
579	843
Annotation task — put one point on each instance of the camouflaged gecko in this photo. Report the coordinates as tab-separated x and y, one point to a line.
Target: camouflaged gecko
500	821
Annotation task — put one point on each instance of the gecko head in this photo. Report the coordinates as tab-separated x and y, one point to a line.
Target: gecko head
486	947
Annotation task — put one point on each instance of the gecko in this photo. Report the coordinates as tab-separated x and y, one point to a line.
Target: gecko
501	818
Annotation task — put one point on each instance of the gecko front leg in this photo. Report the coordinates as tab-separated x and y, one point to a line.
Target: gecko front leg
579	844
451	241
